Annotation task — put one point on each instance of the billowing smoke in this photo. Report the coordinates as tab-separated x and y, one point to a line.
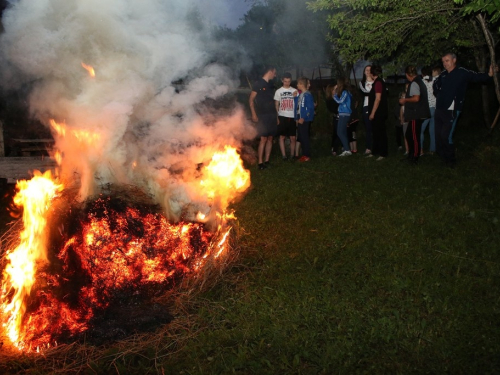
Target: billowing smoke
147	116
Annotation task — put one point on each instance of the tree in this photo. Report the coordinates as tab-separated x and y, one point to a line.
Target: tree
385	30
413	31
484	7
487	13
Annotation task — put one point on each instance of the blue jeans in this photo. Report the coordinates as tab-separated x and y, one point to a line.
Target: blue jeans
446	122
432	131
342	130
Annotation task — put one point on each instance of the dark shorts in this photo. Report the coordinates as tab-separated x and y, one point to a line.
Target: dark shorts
267	125
287	127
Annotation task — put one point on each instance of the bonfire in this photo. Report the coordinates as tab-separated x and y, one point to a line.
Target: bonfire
76	261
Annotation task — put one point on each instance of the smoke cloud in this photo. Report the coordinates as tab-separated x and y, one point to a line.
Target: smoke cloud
146	117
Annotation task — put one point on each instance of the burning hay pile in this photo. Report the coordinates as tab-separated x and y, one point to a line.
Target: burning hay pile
79	263
125	87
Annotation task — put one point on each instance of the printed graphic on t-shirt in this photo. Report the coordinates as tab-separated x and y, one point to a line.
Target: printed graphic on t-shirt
286	102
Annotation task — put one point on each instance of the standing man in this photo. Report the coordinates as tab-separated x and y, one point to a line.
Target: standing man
283	98
416	111
378	110
264	113
449	89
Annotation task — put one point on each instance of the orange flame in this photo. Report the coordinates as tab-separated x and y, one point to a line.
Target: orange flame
89	69
225	177
82	136
19	275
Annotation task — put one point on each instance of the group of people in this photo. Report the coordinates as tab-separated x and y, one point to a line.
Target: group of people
433	100
288	112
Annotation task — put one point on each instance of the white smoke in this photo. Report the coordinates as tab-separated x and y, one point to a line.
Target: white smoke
156	67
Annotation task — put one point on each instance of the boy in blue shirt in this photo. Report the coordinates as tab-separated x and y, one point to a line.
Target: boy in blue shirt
304	115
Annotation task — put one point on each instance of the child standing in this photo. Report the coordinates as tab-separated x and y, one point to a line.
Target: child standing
283	99
343	97
304	115
402	123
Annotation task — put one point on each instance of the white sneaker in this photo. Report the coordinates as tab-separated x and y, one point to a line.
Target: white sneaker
369	156
346	153
380	158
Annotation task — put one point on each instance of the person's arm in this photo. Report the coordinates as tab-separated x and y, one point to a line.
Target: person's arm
378	98
363	89
251	101
302	109
479	77
277	105
342	97
411	99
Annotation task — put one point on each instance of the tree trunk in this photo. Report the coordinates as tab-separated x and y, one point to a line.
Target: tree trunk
480	57
491	47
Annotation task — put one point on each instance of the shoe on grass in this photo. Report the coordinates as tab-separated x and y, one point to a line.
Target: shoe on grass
304	159
380	158
262	166
346	153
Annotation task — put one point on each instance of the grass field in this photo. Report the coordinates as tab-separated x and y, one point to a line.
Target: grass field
348	265
353	265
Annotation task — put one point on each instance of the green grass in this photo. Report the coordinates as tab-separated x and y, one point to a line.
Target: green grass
357	266
349	265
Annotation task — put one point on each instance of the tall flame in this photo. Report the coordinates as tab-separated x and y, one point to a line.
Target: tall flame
225	177
89	69
19	275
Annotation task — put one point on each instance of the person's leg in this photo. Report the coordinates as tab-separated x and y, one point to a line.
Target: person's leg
376	137
449	153
342	132
269	147
304	139
282	146
418	128
412	138
293	141
369	131
262	146
384	146
351	132
422	133
405	128
441	118
432	132
399	136
291	132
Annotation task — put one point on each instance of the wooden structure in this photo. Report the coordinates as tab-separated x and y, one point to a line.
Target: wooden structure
13	169
32	147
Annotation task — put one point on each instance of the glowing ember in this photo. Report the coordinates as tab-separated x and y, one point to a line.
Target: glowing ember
89	69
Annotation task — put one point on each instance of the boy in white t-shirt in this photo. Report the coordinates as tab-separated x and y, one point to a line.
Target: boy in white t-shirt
283	99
